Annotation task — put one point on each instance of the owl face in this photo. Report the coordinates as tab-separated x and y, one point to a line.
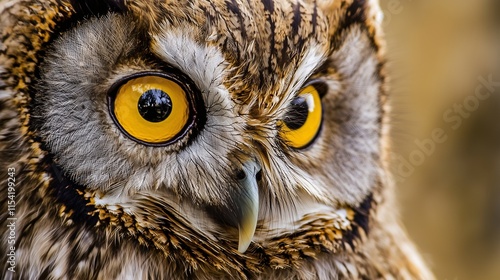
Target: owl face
238	118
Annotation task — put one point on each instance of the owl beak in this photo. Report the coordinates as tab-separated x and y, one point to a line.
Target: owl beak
249	204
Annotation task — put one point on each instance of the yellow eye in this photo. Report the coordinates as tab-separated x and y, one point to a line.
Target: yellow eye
152	109
301	125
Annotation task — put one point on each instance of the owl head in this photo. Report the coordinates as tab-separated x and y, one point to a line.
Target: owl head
198	126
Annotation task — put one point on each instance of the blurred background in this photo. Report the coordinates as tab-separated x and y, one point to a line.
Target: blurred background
449	196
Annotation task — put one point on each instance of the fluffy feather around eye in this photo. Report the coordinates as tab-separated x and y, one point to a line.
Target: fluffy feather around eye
229	199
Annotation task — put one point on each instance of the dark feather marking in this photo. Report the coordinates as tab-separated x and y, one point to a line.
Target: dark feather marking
233	7
46	272
97	7
269	7
362	216
297	18
286	51
361	221
356	12
314	20
66	193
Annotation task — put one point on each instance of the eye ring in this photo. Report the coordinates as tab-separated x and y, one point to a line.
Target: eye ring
174	76
300	128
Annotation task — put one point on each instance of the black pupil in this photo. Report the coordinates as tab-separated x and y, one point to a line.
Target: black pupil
297	116
155	105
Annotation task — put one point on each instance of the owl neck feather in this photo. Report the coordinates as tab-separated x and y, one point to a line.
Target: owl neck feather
171	234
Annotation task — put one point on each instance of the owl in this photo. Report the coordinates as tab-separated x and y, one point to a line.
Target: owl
193	139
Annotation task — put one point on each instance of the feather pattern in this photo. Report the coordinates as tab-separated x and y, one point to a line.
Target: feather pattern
93	204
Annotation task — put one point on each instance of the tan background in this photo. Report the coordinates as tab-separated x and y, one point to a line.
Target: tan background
450	202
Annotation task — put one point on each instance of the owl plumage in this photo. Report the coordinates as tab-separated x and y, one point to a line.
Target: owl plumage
232	192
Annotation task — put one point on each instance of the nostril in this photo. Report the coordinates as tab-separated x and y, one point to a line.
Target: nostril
248	171
241	175
259	175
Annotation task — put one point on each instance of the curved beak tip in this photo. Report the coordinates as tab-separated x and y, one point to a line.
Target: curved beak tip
249	206
246	233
